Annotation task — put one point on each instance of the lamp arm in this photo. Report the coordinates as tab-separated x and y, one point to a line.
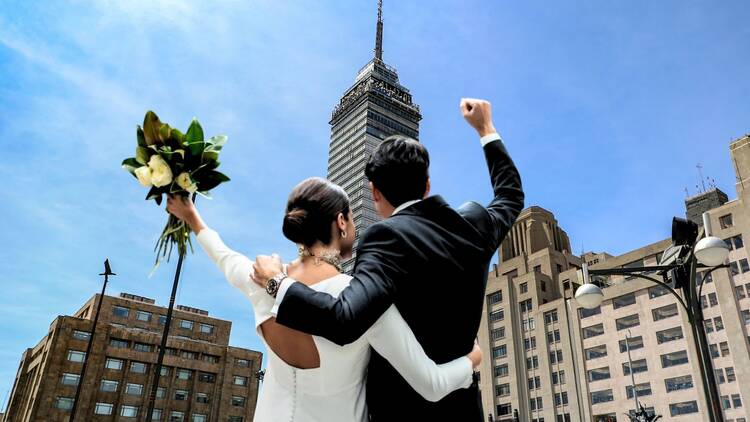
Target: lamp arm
703	282
637	275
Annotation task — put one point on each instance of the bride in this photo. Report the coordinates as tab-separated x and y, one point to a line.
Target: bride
309	378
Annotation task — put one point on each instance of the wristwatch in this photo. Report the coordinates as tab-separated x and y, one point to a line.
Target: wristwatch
272	287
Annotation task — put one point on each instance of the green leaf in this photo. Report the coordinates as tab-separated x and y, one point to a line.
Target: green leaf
196	148
205	194
194	132
164	132
140	137
217	142
210	156
155	194
210	179
142	155
130	164
151	126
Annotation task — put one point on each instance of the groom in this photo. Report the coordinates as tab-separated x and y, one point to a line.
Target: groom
428	259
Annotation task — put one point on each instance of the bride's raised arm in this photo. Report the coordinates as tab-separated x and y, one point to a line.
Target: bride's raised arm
392	338
237	268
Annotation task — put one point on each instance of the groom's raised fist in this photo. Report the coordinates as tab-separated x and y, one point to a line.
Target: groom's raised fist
479	115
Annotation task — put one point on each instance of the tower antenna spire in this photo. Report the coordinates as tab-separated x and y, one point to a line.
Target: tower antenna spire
379	33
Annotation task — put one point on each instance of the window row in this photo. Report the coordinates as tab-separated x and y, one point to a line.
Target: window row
144	316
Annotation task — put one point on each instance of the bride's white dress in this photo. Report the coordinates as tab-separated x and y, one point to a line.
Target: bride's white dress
335	391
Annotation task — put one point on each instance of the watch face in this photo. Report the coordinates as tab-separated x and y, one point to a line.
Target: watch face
272	286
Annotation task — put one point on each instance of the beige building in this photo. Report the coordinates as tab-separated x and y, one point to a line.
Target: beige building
553	361
204	378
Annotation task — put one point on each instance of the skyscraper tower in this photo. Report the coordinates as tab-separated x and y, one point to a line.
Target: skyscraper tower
373	108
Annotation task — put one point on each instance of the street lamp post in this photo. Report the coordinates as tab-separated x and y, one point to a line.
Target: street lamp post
107	272
679	263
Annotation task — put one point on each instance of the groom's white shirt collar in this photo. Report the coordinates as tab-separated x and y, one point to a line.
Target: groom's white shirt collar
288	282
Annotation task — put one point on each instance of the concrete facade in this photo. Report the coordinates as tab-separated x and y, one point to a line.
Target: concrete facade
205	380
536	266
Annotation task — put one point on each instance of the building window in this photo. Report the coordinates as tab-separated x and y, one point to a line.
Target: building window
143	316
558	377
553	336
118	343
664	312
642	390
497	333
201	397
242	363
499	351
670	334
501	370
674	359
503	409
138	367
725	221
120	312
593	330
683	382
599	374
186	324
69	379
730	374
76	356
114	364
156	415
502	390
128	411
108	386
235	419
596	352
534	383
64	403
561	399
550	317
639	365
164	371
528	324
238	401
103	409
189	355
206	328
199	417
627	322
736	401
142	347
524	287
529	343
719	376
585	313
684	408
525	306
238	380
634	343
495	297
532	362
602	396
162	320
184	374
206	377
81	335
657	291
180	395
161	392
133	389
556	356
176	416
624	300
497	315
535	403
211	358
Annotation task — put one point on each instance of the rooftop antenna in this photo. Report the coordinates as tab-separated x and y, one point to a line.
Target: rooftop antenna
699	166
687	194
379	33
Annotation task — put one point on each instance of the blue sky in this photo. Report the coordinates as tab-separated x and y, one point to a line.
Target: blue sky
606	106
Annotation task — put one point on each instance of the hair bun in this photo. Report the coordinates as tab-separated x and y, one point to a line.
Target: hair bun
296	227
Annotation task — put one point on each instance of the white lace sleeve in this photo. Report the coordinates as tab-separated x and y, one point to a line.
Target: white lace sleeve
392	338
238	270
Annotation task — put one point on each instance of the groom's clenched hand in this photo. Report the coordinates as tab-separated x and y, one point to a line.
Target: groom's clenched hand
479	115
265	268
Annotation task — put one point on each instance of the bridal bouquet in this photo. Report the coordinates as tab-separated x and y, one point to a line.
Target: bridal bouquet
171	162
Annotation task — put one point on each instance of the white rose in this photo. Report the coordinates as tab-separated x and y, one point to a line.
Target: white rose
184	181
161	174
144	175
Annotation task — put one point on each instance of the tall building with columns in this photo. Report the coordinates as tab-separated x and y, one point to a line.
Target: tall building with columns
373	108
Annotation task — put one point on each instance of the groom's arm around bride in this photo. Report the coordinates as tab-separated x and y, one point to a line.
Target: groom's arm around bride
428	259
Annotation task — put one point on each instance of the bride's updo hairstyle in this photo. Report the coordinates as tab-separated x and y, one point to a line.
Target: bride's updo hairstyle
312	207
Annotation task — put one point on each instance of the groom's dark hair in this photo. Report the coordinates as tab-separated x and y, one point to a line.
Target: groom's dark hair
399	168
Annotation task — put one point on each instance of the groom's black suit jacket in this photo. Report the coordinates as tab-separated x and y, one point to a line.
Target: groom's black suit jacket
432	262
